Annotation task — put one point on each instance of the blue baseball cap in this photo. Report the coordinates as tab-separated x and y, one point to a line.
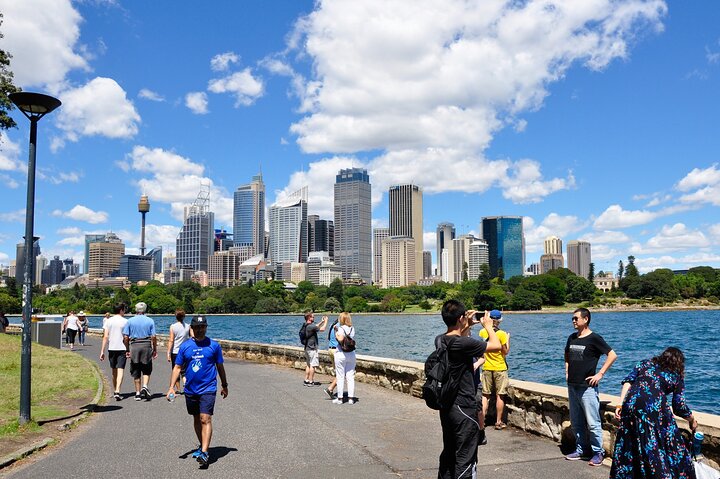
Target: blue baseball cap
496	315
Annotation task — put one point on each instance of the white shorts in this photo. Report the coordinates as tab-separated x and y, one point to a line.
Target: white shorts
312	358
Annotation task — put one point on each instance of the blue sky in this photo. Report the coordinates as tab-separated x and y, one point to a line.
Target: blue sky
594	120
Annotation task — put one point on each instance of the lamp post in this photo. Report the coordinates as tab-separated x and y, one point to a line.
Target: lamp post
34	106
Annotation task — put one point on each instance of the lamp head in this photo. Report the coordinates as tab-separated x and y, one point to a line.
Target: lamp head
34	105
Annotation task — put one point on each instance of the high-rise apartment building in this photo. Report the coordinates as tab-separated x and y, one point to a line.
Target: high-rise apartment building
92	238
406	218
427	264
379	235
288	229
579	257
478	255
249	215
105	256
194	243
224	269
321	235
353	223
398	262
461	258
20	261
445	234
506	244
553	245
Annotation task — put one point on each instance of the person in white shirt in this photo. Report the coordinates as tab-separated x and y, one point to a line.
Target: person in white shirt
345	361
113	340
179	332
71	327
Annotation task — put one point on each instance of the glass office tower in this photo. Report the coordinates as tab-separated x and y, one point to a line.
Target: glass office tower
506	244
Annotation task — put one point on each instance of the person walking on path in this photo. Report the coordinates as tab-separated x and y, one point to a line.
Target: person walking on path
345	360
141	345
179	332
312	356
332	348
70	327
648	443
114	342
582	352
460	429
202	359
4	323
495	378
82	328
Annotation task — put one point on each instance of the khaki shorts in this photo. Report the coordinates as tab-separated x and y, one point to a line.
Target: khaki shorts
312	358
495	382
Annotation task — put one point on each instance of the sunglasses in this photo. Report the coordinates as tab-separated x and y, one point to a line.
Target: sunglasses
576	318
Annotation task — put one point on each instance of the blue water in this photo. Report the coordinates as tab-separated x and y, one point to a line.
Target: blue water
537	342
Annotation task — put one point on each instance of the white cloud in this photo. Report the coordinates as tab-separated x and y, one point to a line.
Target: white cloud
72	241
616	217
10	154
677	262
176	180
243	85
675	237
42	36
57	178
605	237
430	241
4	258
9	182
13	216
100	107
698	178
222	61
148	94
552	225
83	213
69	231
197	102
435	81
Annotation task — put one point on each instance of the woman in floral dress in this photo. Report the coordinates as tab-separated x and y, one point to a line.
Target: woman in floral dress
648	443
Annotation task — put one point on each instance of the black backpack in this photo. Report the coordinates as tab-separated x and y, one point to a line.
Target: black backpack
303	336
440	388
347	345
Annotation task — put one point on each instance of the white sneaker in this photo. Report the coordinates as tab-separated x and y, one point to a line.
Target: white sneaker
337	401
351	401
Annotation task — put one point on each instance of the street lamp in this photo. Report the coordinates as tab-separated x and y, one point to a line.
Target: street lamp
34	106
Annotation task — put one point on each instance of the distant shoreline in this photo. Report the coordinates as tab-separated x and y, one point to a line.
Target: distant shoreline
558	310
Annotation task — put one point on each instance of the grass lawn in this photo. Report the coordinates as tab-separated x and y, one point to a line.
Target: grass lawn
62	382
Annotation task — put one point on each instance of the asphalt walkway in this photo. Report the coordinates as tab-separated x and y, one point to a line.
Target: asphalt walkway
271	426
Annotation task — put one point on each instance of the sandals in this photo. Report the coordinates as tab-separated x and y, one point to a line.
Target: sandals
500	425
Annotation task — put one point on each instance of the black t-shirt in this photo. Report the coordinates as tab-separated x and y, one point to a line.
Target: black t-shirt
461	351
582	355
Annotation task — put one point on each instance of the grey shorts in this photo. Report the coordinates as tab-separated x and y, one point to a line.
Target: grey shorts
312	358
141	358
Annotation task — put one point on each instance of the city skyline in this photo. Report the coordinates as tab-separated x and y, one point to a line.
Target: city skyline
612	143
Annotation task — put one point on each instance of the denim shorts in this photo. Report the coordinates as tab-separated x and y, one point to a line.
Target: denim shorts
200	403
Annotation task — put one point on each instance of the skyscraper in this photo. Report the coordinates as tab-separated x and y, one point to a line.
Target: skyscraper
427	264
20	260
157	256
461	258
445	235
321	235
379	235
506	244
553	257
553	245
406	218
194	243
398	262
136	267
105	256
478	256
353	223
92	238
249	215
579	257
288	229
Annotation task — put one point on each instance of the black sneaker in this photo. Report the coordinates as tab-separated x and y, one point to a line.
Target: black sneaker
137	396
307	383
145	393
117	396
328	392
315	383
483	438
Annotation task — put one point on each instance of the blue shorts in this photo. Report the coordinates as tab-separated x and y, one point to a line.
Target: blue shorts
200	403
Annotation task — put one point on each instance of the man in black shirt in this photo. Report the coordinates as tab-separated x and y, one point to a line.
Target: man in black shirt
582	352
461	431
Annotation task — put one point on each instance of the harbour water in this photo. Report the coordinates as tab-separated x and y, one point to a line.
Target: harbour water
537	342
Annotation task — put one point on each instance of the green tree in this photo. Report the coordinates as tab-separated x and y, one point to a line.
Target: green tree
500	275
525	300
465	271
493	298
9	304
579	289
239	299
332	304
6	88
484	278
514	282
335	290
659	284
425	305
708	273
356	304
591	272
270	304
621	270
303	289
313	302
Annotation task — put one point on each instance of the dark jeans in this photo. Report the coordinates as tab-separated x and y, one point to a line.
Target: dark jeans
461	434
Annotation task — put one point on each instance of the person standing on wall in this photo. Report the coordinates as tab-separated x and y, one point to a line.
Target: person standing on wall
582	352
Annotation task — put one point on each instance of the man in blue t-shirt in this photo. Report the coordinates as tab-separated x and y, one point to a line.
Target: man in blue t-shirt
141	346
202	359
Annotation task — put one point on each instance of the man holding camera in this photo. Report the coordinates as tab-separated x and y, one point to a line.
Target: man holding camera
461	431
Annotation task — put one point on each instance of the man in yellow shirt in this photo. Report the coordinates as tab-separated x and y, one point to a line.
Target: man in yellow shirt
495	371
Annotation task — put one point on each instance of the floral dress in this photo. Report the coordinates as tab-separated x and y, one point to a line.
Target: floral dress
648	443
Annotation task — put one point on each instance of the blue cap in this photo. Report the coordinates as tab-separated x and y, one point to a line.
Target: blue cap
496	314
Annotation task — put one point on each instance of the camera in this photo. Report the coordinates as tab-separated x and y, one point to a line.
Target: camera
479	316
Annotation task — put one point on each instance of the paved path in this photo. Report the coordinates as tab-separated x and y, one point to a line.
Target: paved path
271	426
